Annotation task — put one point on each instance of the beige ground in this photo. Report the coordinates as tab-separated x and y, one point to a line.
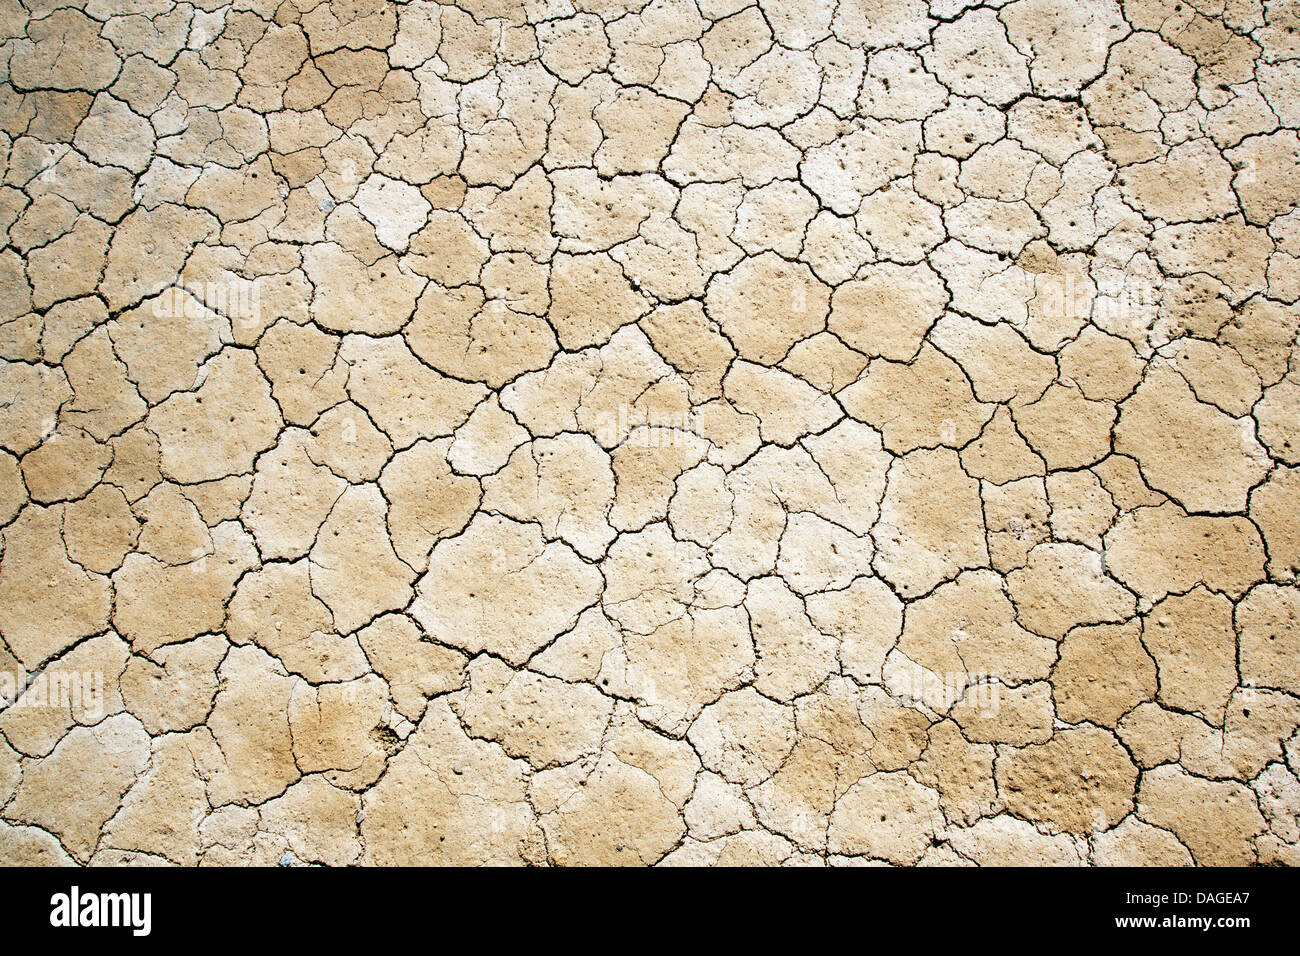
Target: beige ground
684	431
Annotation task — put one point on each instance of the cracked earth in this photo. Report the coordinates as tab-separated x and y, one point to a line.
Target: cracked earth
650	431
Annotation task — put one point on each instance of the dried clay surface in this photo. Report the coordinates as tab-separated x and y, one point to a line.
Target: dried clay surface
649	432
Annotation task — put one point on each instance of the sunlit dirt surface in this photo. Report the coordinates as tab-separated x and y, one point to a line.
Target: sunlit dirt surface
622	432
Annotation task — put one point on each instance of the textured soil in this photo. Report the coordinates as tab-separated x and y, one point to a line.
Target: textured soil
649	431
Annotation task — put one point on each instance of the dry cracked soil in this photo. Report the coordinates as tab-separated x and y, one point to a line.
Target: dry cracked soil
650	432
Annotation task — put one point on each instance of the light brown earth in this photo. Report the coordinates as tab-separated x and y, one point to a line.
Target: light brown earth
650	431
